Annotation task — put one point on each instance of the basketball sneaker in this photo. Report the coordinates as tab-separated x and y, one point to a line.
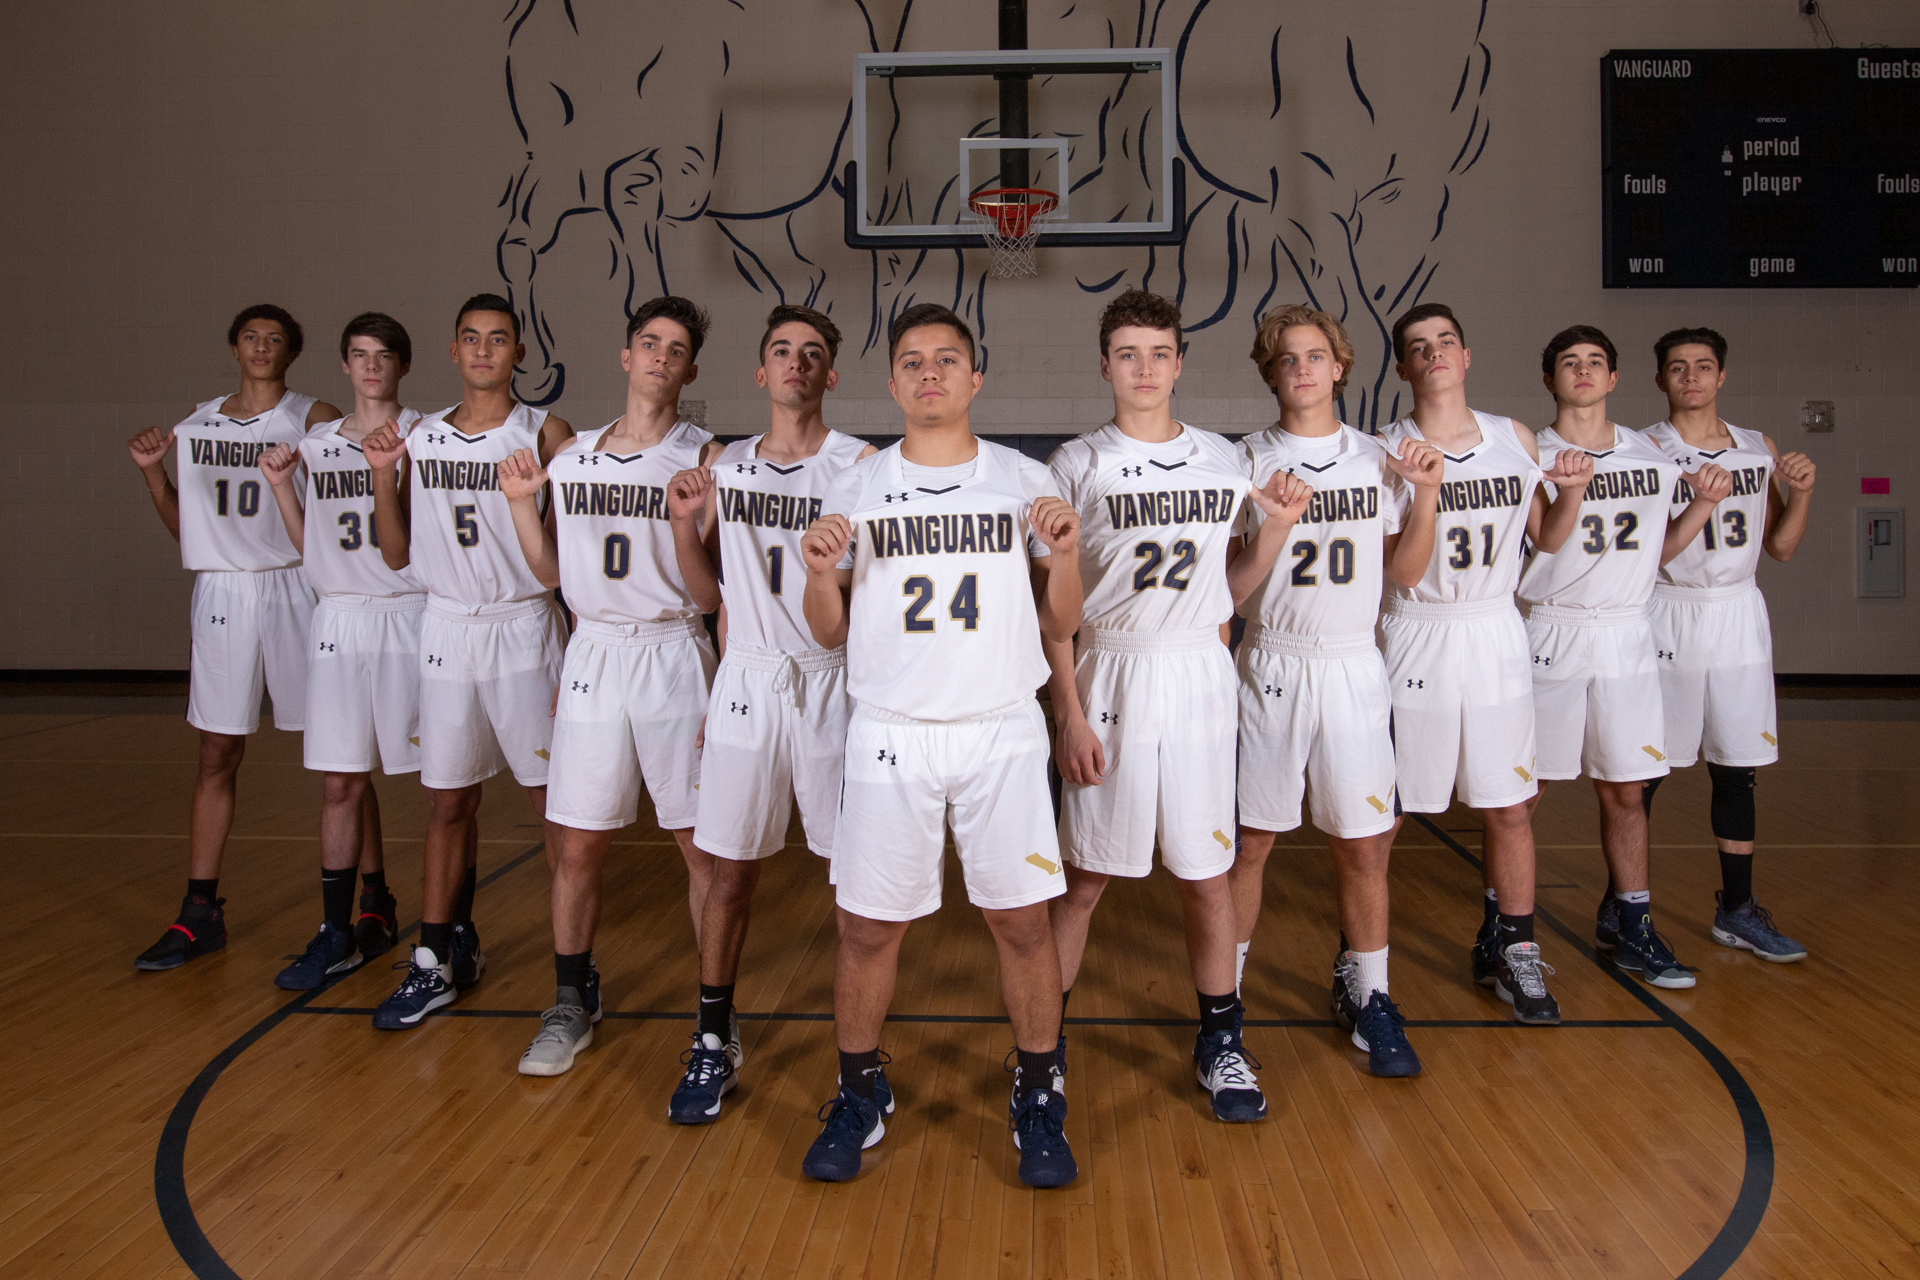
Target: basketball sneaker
200	927
468	962
1225	1070
427	986
1381	1030
1346	1010
378	927
1647	952
853	1124
712	1071
1484	955
1606	923
1519	983
1039	1121
1749	927
331	952
565	1030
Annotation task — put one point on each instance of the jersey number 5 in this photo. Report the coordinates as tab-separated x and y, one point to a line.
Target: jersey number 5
964	608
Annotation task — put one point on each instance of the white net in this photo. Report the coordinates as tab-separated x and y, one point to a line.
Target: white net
1012	229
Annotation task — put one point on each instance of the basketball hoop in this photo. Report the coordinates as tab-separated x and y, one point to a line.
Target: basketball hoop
1013	226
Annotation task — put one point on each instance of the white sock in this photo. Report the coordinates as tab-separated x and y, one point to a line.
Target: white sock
1641	896
1369	974
1493	895
1239	964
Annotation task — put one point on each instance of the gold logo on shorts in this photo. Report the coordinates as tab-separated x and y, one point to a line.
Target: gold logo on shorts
543	755
1224	842
1524	775
414	741
1655	754
1771	740
1375	802
1051	868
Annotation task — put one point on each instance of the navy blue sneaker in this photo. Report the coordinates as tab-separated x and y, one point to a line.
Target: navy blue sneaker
378	927
1749	927
427	986
467	961
1485	955
1381	1030
332	951
853	1124
1039	1123
1606	923
710	1075
200	927
1225	1070
1647	952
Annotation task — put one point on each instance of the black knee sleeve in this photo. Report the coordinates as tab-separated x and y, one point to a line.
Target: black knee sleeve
1732	809
1646	794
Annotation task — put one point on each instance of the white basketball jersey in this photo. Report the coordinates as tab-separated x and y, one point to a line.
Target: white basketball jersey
464	548
343	549
942	624
1727	551
1612	557
1327	581
228	520
1155	521
610	514
763	508
1485	496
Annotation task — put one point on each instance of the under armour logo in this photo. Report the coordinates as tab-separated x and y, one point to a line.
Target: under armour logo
579	687
897	497
1272	690
1539	661
219	621
1131	471
329	453
434	660
1416	684
1665	653
1109	717
888	757
328	648
746	468
589	459
436	437
737	708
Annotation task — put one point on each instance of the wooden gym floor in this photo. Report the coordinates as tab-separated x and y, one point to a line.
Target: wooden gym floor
1763	1124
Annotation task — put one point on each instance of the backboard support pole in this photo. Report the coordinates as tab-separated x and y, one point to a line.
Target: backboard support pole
1014	170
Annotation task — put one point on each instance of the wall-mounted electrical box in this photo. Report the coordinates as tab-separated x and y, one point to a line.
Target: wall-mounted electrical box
1880	545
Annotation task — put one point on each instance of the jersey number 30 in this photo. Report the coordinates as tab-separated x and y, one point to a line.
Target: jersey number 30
964	608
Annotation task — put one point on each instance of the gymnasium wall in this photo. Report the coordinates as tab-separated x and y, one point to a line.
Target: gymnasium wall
168	164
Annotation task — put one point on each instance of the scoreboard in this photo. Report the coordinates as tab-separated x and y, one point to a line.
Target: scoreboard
1760	168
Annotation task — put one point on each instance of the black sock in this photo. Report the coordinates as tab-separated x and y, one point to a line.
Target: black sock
1036	1070
207	889
1736	880
572	971
716	1011
857	1071
438	938
1218	1013
463	898
336	897
1515	929
375	880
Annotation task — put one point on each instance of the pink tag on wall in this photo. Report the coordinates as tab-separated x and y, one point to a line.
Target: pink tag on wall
1876	484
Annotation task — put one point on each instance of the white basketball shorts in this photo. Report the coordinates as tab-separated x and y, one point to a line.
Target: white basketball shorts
1596	694
1461	680
363	684
904	778
1161	706
632	696
487	675
249	636
1714	649
776	733
1315	716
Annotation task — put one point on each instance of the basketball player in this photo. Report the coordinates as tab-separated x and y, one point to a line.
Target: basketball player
920	566
1596	690
491	640
1456	650
633	689
1144	700
363	673
777	721
1710	623
1313	697
251	604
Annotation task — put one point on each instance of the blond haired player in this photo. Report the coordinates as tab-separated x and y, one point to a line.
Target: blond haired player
363	674
1335	513
924	566
251	604
777	721
1144	697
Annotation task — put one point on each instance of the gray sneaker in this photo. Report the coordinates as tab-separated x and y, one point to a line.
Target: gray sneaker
565	1030
1749	927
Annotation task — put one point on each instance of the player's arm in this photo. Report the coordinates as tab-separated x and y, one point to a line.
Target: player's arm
1787	512
522	477
1061	593
1408	552
1549	526
1076	751
828	585
386	454
1709	484
691	511
320	412
280	466
149	450
554	434
1282	501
